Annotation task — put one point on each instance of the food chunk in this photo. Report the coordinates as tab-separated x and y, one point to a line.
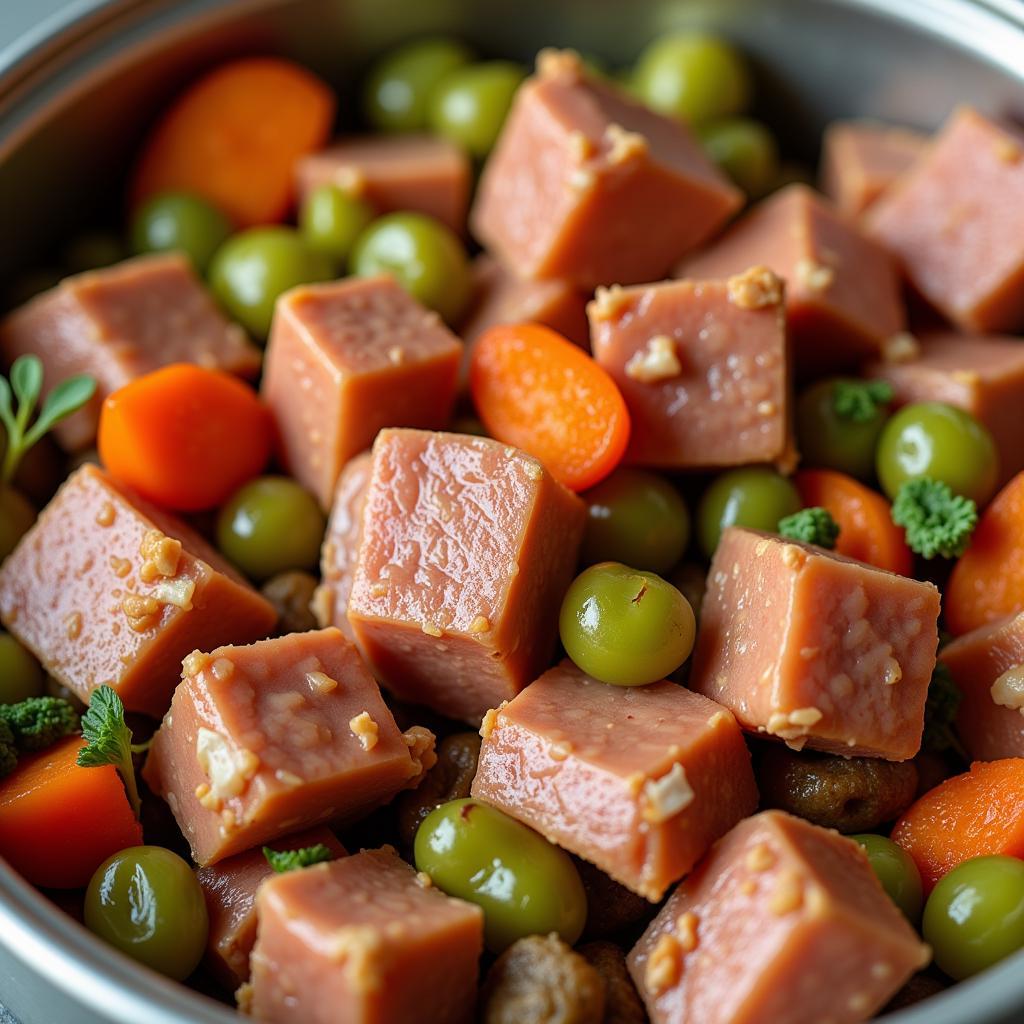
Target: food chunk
637	780
782	921
588	186
346	359
842	290
814	648
956	223
395	172
120	322
467	548
280	735
363	939
703	367
107	588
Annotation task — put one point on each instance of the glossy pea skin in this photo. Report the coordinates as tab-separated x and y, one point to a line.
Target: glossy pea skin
523	884
637	518
625	627
21	676
746	150
974	916
756	497
830	441
396	95
146	902
271	525
942	442
331	219
16	518
183	222
896	871
469	105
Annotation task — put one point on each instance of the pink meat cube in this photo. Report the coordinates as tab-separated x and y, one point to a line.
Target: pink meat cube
637	780
363	940
346	359
842	290
782	923
587	185
956	222
395	172
467	549
703	367
281	735
814	648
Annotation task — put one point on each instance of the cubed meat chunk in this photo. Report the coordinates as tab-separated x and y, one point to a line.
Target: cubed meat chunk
703	367
120	322
956	223
637	780
842	290
346	359
586	185
782	923
814	648
363	940
467	549
277	736
107	588
230	891
395	172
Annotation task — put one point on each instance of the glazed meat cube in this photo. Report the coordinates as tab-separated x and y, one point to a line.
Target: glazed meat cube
467	548
956	222
230	890
589	186
363	940
106	588
281	735
814	648
782	923
346	359
120	322
637	780
842	290
703	367
395	172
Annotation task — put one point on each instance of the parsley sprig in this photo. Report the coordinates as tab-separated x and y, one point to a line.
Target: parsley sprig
109	740
289	860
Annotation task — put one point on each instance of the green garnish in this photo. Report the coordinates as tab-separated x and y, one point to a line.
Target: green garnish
109	740
8	750
27	383
936	521
289	860
812	526
940	710
38	722
859	400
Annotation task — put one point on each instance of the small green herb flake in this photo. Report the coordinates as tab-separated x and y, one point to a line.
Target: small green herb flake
812	526
289	860
109	740
8	750
39	722
940	710
860	400
936	521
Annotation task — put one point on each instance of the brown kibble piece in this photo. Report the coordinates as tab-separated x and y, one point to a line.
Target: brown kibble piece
291	594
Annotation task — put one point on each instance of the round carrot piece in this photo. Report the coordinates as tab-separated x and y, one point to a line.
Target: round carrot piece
185	437
539	392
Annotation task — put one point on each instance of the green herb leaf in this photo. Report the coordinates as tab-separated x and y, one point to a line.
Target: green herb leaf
7	410
289	860
66	398
859	400
109	740
935	520
812	526
39	722
27	381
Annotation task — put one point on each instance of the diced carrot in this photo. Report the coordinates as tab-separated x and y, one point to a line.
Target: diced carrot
234	137
866	529
59	822
534	389
987	582
185	437
972	815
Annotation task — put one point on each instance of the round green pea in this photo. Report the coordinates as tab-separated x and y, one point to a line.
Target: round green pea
625	627
637	518
942	442
16	518
146	902
974	916
92	250
897	873
523	884
21	676
830	441
271	525
756	497
180	221
746	150
331	220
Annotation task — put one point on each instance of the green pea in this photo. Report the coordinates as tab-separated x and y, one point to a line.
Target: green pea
746	150
469	105
251	269
692	76
942	442
92	250
974	916
331	220
637	518
21	676
625	627
397	90
523	884
897	873
271	525
180	221
756	497
831	441
146	902
16	518
425	257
